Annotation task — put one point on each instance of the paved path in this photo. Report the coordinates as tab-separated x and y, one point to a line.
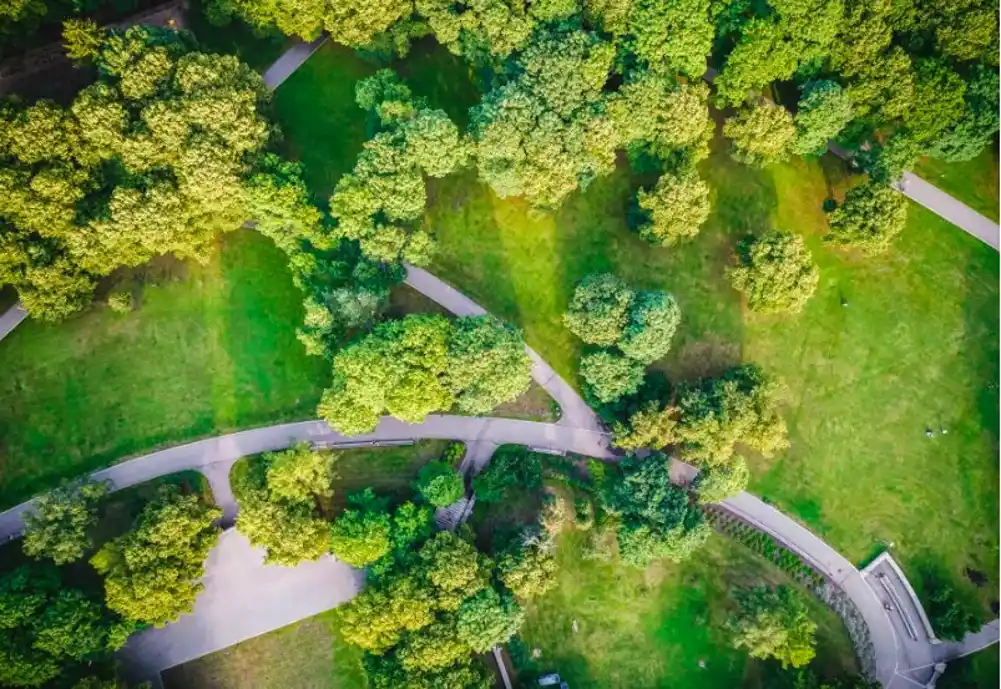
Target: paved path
950	208
291	60
243	598
215	456
10	319
575	411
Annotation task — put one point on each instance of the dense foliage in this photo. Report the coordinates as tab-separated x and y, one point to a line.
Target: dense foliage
421	364
773	623
161	155
440	484
951	617
152	573
775	272
511	465
674	209
362	534
655	517
761	134
279	504
47	626
717	483
59	527
871	215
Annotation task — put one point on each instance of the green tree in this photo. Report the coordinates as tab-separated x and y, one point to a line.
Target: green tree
675	209
376	619
761	135
479	28
510	465
823	111
649	426
152	573
674	36
361	535
48	626
775	272
529	569
545	133
607	376
300	474
938	99
82	39
871	215
291	533
488	619
978	123
717	483
440	484
599	309
887	162
454	569
487	364
58	527
773	623
739	407
653	319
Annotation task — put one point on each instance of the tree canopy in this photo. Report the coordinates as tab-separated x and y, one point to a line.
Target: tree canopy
761	134
422	364
59	527
775	272
156	157
152	573
440	484
773	623
871	215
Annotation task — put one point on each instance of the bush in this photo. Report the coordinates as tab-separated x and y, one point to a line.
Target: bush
59	527
775	272
675	209
440	484
511	465
952	618
120	302
716	484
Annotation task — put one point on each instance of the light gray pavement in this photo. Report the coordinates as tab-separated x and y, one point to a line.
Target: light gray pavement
242	598
291	60
950	208
10	319
214	457
575	411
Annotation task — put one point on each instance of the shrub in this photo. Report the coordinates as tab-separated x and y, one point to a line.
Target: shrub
440	484
58	528
716	484
775	272
120	302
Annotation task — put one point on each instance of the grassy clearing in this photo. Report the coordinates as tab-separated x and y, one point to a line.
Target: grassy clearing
390	471
915	348
653	628
975	182
211	349
309	654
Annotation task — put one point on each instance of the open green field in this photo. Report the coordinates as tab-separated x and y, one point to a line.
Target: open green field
975	182
653	628
915	348
306	655
211	349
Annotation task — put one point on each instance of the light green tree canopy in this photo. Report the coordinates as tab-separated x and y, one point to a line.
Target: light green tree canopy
773	623
361	535
545	133
58	528
608	375
739	407
300	474
529	569
408	368
675	209
761	135
152	572
775	272
488	619
716	484
871	215
599	309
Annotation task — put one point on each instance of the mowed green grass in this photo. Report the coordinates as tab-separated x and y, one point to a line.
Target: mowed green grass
210	350
653	628
915	348
308	654
974	182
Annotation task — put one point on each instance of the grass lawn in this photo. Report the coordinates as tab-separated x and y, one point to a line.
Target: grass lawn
211	349
308	654
916	347
977	671
975	182
653	628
